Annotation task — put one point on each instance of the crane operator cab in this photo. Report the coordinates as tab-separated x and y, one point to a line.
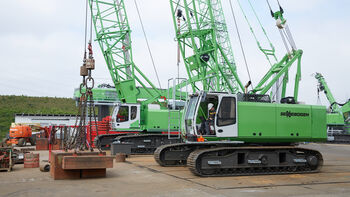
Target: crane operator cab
126	116
211	114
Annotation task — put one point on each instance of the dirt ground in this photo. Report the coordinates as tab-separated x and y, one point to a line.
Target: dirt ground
141	176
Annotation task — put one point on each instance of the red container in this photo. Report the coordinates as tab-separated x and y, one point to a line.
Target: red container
31	160
57	144
42	144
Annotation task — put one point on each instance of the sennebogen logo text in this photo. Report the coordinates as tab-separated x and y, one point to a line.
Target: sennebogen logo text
290	114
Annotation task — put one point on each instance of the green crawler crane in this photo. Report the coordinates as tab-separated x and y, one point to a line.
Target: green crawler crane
338	116
142	107
247	134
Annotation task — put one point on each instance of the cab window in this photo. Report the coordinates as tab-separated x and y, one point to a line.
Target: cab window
227	112
133	112
123	114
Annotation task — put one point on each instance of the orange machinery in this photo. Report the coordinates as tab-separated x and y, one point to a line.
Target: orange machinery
20	135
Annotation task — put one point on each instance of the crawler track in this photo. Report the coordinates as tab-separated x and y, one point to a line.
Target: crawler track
147	143
176	154
239	161
103	141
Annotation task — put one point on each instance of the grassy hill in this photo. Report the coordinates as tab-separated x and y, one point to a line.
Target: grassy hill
11	105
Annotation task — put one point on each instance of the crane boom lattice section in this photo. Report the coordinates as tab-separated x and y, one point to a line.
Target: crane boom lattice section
113	35
224	41
202	35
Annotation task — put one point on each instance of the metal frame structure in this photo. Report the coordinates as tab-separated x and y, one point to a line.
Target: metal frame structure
281	69
204	43
113	34
339	114
323	86
203	39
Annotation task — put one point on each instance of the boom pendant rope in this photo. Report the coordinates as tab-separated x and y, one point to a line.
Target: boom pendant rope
262	27
86	16
149	49
265	51
178	50
240	42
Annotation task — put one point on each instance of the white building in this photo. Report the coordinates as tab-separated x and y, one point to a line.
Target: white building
46	119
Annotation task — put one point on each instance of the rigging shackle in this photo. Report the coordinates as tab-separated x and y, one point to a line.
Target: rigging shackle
90	83
81	89
83	70
90	63
90	49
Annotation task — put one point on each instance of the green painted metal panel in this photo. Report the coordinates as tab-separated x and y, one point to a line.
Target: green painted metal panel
293	121
256	118
319	123
335	119
157	121
128	89
275	123
135	125
346	109
100	94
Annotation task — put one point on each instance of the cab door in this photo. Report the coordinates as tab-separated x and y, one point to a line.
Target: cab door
135	116
226	117
126	116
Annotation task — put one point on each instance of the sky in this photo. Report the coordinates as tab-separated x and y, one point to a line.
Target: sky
42	44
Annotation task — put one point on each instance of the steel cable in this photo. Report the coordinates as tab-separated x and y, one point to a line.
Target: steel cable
240	42
149	49
86	16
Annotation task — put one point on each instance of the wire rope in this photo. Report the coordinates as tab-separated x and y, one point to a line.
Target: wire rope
85	37
240	42
267	1
91	25
148	47
255	37
262	27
